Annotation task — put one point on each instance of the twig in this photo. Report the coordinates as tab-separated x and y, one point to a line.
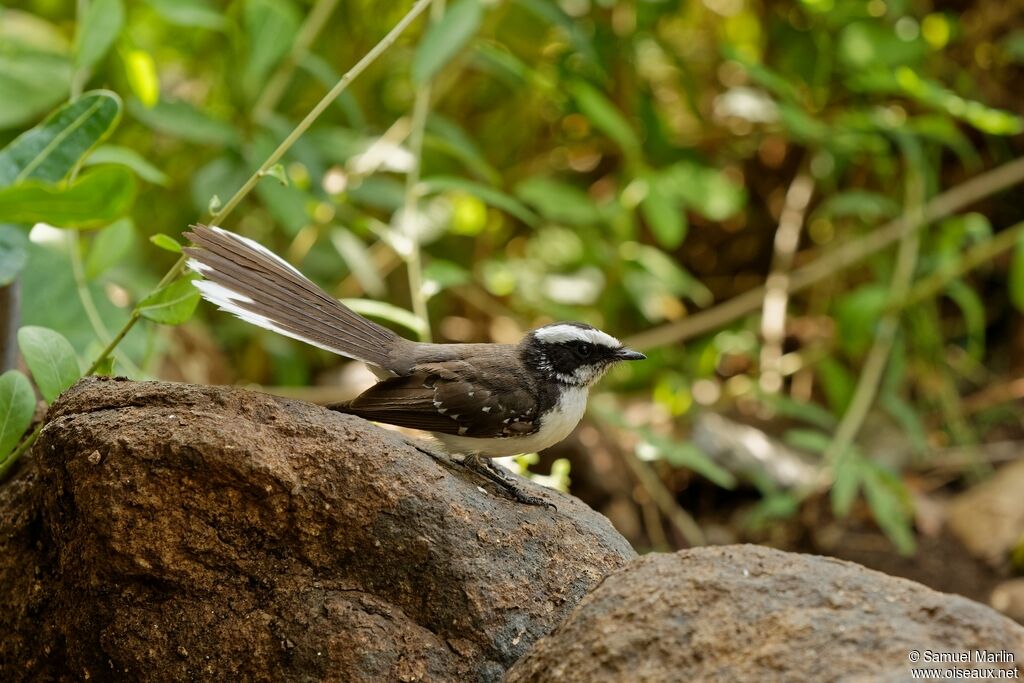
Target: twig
776	296
878	356
941	206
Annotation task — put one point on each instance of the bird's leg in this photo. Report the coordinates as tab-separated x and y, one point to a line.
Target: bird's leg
493	473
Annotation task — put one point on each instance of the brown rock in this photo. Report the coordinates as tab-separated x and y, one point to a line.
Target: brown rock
178	532
748	613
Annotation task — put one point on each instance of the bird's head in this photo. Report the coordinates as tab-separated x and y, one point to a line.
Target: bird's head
573	353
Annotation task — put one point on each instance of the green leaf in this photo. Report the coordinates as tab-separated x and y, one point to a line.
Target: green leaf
909	420
105	368
270	26
97	197
984	118
808	440
665	218
13	253
172	304
846	483
890	505
142	76
97	31
32	82
52	149
1016	281
445	38
51	359
488	195
857	313
703	189
810	413
181	120
277	171
838	383
602	113
17	405
973	310
558	201
683	454
191	13
389	312
867	206
111	154
109	247
166	242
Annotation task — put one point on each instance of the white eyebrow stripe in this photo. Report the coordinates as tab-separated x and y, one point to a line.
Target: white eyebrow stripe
558	334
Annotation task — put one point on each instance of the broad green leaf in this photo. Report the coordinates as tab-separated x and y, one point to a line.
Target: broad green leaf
1016	283
142	76
98	196
270	26
172	304
97	31
603	114
17	405
51	359
389	312
112	154
703	189
13	253
181	120
166	242
109	247
558	201
488	195
665	218
52	149
32	82
445	38
857	313
193	13
667	272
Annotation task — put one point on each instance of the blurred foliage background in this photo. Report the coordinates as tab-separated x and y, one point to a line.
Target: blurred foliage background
731	185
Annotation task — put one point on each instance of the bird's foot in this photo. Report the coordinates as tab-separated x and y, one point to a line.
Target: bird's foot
495	474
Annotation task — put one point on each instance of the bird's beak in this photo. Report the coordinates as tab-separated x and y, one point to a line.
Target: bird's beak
629	354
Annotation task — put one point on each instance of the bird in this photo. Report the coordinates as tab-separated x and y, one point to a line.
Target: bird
479	401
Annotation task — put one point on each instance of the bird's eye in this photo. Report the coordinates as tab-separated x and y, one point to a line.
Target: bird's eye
584	349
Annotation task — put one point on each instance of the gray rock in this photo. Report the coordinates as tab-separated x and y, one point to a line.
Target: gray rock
748	613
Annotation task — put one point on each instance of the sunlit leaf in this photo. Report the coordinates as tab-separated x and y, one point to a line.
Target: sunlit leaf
109	247
193	13
166	242
488	195
603	114
381	310
444	39
13	253
558	201
665	218
98	196
17	405
112	154
52	149
142	76
170	305
97	31
51	359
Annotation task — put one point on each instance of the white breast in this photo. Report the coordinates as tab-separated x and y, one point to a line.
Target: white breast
555	425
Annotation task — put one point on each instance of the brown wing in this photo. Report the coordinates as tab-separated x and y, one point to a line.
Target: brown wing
451	398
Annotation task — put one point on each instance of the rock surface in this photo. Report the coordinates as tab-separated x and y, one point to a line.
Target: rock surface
178	532
748	613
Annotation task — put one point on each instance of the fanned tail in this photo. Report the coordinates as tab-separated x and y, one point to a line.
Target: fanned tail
248	280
